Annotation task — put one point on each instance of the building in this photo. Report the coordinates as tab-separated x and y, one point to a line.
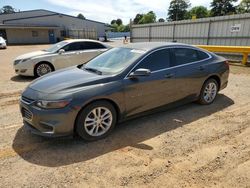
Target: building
43	26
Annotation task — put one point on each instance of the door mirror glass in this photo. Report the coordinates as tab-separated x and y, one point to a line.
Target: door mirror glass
140	72
61	51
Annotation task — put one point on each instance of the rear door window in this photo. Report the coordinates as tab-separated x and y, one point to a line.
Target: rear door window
156	61
93	45
182	56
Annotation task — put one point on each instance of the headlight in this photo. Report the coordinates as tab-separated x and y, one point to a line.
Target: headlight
26	59
52	104
20	60
17	61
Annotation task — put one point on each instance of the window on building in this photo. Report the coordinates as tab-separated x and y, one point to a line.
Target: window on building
34	33
63	33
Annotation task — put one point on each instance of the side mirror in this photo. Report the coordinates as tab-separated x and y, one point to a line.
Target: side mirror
61	51
140	72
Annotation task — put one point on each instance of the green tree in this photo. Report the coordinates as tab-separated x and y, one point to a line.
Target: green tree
150	17
244	7
119	22
7	9
178	10
199	12
113	22
126	28
222	7
137	18
81	16
161	20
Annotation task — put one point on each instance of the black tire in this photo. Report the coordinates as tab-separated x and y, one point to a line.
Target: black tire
36	74
202	99
81	128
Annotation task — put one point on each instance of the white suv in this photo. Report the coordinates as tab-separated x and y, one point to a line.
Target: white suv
63	54
3	43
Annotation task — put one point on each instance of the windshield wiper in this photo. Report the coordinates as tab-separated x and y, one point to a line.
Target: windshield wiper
93	70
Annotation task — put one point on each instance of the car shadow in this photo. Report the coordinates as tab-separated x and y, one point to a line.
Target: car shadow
19	78
64	151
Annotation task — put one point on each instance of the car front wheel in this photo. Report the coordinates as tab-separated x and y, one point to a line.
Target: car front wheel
209	92
42	69
96	121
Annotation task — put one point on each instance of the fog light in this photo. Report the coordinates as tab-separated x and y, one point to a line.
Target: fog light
23	70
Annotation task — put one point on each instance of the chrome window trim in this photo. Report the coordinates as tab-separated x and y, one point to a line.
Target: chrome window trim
170	47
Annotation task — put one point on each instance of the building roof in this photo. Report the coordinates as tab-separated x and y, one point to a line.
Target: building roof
49	14
31	26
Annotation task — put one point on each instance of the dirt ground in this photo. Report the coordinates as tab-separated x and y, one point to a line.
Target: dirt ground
189	146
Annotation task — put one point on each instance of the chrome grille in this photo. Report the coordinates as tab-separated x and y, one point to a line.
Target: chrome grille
26	114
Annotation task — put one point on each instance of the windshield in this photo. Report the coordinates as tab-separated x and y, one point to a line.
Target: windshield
56	47
114	60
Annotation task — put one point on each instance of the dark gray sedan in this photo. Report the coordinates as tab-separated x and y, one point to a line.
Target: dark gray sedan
119	84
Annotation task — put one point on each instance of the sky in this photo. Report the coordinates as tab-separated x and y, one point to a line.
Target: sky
100	10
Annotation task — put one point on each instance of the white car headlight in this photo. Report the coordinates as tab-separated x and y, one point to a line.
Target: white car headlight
26	59
52	104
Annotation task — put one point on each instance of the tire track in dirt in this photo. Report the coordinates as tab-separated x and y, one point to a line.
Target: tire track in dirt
10	94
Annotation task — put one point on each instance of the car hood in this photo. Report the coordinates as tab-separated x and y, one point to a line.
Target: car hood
67	80
32	54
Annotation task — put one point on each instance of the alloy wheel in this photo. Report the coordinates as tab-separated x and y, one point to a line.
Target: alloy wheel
210	92
43	69
98	121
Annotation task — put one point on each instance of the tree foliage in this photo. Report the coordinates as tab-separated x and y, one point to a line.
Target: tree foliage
178	10
198	12
161	20
244	7
119	21
150	17
117	26
222	7
81	16
7	9
137	18
113	22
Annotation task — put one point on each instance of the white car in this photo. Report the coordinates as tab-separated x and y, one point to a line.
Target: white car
3	43
61	55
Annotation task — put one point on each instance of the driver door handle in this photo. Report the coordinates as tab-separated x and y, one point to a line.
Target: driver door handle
169	75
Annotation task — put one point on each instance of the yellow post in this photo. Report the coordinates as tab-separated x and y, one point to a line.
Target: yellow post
245	58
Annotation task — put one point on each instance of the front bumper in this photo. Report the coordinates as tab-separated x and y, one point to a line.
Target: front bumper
3	46
49	123
23	68
24	71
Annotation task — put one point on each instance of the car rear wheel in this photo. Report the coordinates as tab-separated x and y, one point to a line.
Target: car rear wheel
96	120
209	92
42	69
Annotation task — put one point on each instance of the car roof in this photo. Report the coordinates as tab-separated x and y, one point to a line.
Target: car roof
81	40
86	40
147	46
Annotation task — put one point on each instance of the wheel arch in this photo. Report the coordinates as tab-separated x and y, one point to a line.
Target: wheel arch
215	77
115	105
41	62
